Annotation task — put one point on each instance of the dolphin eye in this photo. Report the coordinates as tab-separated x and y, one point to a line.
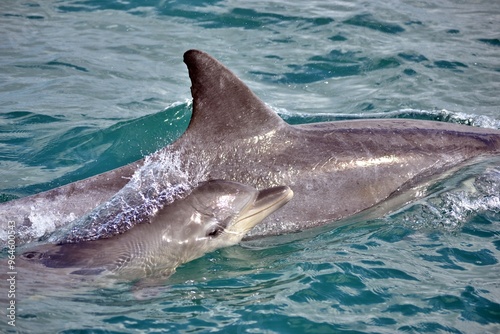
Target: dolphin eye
214	231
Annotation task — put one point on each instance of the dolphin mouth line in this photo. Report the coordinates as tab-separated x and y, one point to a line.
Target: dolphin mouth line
268	201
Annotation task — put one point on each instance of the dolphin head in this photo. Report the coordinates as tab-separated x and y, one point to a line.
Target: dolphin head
217	214
235	208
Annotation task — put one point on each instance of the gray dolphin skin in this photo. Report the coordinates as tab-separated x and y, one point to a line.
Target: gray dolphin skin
215	214
335	169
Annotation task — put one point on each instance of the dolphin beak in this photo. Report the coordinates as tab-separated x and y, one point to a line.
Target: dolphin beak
266	202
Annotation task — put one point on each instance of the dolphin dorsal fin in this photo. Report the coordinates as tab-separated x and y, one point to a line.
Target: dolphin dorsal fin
222	103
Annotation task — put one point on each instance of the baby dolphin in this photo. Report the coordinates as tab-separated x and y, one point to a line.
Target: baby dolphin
215	214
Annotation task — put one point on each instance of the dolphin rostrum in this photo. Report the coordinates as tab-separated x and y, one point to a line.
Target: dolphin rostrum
335	169
215	214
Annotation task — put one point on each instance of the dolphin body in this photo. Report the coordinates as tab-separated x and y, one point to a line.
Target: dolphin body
335	169
215	214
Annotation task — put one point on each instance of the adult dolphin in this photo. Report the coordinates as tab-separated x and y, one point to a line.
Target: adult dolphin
335	169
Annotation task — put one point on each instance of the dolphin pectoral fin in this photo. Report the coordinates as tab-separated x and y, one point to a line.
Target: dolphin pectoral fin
148	292
81	256
149	287
219	95
88	271
149	282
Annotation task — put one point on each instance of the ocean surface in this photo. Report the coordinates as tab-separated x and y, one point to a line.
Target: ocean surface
88	85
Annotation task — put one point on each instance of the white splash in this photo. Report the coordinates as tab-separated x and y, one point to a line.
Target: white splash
164	177
451	209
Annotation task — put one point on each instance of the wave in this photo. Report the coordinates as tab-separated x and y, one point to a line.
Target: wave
441	115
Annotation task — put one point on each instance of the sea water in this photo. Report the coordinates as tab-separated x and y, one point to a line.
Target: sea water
87	86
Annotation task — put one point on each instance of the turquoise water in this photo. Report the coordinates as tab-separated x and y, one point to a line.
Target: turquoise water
87	86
